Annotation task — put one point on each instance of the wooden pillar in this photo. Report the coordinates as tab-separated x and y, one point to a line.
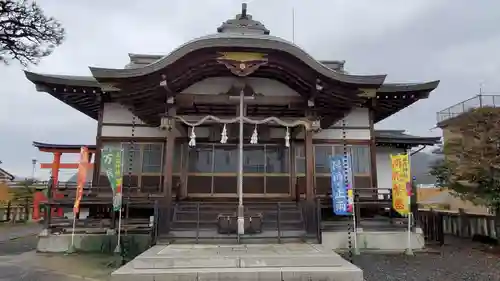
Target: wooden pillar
56	163
184	169
48	209
373	147
309	153
166	206
292	170
310	198
98	141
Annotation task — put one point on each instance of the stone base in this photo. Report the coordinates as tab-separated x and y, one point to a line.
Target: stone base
383	241
86	242
238	262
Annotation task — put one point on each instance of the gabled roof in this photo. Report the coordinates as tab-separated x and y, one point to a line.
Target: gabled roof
141	60
6	175
232	40
400	137
287	62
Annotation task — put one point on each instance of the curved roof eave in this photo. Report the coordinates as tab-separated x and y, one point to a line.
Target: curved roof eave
67	80
239	40
409	87
42	145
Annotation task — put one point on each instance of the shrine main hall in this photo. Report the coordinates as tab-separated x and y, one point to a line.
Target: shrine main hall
176	116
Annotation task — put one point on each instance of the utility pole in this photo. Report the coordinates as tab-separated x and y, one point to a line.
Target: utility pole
33	162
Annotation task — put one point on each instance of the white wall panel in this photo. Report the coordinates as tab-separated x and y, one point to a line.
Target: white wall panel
126	131
118	114
384	173
218	85
358	117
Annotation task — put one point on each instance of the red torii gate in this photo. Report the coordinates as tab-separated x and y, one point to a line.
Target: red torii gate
57	150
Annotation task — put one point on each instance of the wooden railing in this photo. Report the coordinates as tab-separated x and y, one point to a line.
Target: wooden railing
437	224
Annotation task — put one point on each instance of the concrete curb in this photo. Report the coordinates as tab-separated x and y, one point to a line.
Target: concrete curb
77	276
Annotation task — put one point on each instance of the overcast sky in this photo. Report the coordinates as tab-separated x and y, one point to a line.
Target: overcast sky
455	41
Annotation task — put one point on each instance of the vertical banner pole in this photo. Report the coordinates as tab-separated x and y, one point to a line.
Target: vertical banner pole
355	226
118	194
409	250
118	247
72	246
81	177
343	191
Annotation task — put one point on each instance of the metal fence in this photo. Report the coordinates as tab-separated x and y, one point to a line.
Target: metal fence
478	101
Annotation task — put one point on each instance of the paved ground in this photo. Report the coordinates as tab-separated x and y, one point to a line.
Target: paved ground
19	261
8	231
461	260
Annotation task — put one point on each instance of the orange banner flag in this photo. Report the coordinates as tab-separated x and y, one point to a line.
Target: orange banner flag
81	177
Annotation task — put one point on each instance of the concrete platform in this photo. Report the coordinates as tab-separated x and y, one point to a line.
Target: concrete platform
238	262
382	241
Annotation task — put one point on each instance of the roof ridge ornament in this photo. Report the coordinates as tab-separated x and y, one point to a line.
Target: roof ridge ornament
243	23
244	10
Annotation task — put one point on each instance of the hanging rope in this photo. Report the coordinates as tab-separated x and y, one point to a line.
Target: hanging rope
306	124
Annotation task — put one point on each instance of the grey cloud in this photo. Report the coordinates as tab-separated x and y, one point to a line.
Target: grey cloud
456	41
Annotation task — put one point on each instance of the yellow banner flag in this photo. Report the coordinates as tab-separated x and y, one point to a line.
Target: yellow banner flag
400	183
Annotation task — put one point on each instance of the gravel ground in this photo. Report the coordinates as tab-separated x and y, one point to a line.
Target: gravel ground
458	260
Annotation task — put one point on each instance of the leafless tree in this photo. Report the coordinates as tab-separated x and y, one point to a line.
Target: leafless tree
26	33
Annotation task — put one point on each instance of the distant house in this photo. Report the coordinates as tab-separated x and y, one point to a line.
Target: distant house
443	199
5	176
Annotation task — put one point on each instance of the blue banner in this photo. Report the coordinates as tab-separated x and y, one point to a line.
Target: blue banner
339	185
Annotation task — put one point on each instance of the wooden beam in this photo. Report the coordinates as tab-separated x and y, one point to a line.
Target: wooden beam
62	165
223	99
62	150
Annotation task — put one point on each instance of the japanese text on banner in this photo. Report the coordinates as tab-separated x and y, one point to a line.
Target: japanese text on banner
340	182
111	162
400	183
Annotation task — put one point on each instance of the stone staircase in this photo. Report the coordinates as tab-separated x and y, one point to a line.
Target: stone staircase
197	220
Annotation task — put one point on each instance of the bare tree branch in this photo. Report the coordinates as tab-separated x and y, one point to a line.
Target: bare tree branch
26	34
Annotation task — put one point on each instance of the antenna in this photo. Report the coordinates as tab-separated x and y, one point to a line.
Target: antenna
293	25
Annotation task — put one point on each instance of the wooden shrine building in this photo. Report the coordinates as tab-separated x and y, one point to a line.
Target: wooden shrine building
155	103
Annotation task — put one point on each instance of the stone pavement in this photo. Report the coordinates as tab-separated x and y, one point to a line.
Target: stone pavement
19	261
14	231
458	260
290	261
